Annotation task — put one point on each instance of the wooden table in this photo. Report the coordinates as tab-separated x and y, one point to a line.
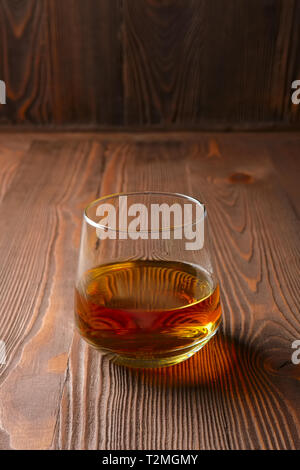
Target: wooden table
242	390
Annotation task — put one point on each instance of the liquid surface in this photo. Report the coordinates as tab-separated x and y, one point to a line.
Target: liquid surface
146	308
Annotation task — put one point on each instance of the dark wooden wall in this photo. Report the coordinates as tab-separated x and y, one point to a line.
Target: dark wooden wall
207	64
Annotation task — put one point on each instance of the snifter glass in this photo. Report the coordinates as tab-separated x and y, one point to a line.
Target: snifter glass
146	292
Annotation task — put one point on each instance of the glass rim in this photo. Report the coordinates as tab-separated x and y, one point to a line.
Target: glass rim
90	221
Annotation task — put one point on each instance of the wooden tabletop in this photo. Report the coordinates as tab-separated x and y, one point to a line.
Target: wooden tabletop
242	390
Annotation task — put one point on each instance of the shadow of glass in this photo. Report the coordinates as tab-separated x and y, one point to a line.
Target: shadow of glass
225	383
221	359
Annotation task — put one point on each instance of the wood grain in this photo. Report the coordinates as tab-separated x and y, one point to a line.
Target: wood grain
241	391
139	64
61	62
211	63
25	64
39	240
11	153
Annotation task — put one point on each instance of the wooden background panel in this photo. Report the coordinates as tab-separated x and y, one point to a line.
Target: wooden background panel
85	48
218	64
214	62
24	62
61	62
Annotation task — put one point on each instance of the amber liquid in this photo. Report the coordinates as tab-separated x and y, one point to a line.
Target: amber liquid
147	313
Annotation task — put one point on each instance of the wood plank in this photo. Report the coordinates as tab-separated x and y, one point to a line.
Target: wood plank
209	64
52	62
85	48
41	218
24	64
257	253
285	158
212	64
11	153
239	392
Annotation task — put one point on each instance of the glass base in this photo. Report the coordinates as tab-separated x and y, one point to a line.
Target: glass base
169	359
